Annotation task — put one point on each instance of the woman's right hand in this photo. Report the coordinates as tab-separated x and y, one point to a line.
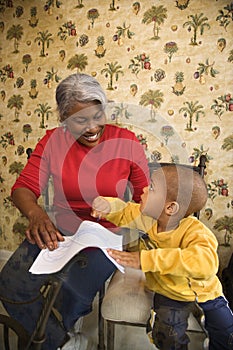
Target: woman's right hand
41	230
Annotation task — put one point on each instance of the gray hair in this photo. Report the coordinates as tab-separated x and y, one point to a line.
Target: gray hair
76	88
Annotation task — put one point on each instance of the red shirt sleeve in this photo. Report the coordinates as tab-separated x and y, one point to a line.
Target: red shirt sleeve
36	173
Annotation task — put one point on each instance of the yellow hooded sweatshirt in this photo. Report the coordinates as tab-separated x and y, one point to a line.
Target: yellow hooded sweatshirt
184	263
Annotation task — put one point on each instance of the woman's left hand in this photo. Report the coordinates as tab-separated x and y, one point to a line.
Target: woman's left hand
130	259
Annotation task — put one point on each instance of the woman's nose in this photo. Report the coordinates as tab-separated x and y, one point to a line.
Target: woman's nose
91	126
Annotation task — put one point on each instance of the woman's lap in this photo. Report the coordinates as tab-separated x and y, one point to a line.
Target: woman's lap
17	283
77	292
84	280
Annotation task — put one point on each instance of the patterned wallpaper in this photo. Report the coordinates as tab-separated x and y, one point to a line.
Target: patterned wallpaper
166	64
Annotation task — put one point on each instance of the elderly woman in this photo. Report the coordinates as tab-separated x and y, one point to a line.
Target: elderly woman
85	157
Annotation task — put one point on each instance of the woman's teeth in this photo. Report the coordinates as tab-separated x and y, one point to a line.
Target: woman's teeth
91	137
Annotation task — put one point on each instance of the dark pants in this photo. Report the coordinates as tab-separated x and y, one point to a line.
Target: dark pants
81	283
171	322
218	323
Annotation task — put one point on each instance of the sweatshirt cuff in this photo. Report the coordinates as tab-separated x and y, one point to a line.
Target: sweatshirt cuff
116	204
145	260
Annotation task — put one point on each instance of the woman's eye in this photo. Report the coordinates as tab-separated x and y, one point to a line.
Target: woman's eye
80	121
98	116
151	187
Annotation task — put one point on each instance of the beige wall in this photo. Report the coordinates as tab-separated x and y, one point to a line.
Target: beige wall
158	61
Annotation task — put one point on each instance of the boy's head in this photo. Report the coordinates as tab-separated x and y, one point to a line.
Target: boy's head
174	190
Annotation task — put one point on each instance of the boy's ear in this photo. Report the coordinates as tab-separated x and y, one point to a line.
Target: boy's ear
172	208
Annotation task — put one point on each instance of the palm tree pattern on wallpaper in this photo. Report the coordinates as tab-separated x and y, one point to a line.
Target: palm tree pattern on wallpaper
172	59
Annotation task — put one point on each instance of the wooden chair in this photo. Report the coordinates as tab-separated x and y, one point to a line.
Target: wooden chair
127	302
49	291
227	281
14	335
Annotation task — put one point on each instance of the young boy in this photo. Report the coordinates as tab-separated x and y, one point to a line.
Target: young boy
179	259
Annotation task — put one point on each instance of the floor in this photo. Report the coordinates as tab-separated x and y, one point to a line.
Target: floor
126	337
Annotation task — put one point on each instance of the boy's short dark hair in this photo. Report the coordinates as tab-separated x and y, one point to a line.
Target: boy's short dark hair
185	186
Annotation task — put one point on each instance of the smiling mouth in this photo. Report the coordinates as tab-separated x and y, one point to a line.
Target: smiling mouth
91	137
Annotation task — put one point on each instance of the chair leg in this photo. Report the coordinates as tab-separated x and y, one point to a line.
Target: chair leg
110	335
101	345
38	336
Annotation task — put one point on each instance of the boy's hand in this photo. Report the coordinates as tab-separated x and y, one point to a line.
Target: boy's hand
131	259
100	207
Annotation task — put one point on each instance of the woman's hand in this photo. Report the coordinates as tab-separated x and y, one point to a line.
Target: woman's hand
41	230
130	259
100	207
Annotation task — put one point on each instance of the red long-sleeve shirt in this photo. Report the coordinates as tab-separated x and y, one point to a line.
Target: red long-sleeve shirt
81	173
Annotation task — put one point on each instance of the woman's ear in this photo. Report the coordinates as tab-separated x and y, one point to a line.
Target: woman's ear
172	208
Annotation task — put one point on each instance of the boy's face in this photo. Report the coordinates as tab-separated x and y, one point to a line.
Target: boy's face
153	198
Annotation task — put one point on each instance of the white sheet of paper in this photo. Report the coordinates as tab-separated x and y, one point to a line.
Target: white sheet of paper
89	234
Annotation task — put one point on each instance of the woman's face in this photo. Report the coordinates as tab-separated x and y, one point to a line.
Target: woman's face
86	123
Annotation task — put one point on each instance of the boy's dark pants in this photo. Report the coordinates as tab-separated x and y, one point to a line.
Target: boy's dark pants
171	322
